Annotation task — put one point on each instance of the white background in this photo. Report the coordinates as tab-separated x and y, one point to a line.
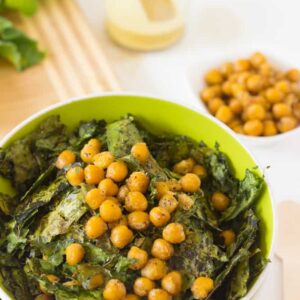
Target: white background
216	28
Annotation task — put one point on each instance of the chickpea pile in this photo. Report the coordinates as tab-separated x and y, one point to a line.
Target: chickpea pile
119	206
252	97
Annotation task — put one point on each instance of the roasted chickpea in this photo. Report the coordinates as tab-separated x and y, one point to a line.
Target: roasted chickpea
215	104
122	221
169	202
65	158
140	255
142	286
184	166
138	182
87	153
43	297
121	236
257	59
108	187
75	176
213	76
255	112
254	83
74	254
274	95
265	69
185	201
242	65
238	129
199	171
220	201
174	233
114	290
110	211
236	106
162	188
293	75
135	201
123	192
95	143
159	216
228	237
287	123
93	174
95	227
159	294
201	287
117	171
94	198
52	278
141	152
281	110
172	283
155	269
253	127
190	182
296	110
227	88
162	249
211	92
95	281
132	297
224	114
138	220
269	128
226	69
103	159
283	86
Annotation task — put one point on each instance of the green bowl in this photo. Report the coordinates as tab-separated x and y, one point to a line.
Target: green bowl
158	115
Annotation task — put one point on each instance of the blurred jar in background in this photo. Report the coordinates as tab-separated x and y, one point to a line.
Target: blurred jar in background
144	24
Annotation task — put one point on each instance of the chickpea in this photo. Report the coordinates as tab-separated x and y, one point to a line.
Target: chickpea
226	69
108	187
159	294
274	95
121	236
141	152
87	153
287	123
95	281
114	290
283	86
242	65
43	297
95	143
140	255
296	110
75	176
122	221
52	278
162	249
138	220
227	88
172	283
255	112
185	201
135	201
213	76
257	59
95	227
74	254
210	93
236	106
238	129
265	69
159	216
243	77
293	75
174	185
155	269
190	182
201	287
269	128
169	202
184	166
94	198
281	110
215	104
291	99
254	83
132	297
93	174
103	159
224	114
228	237
174	233
123	192
220	201
162	188
253	127
117	171
138	182
142	286
234	123
65	158
110	211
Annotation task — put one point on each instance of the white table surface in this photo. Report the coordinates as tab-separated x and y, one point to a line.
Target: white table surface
215	27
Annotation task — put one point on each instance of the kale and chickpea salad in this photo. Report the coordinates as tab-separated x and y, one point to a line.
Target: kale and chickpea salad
112	211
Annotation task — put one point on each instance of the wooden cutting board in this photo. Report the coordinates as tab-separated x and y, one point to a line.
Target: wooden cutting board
75	64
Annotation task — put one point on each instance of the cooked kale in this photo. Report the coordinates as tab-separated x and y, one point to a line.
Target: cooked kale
48	213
